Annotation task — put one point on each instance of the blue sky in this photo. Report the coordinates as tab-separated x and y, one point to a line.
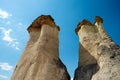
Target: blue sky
16	16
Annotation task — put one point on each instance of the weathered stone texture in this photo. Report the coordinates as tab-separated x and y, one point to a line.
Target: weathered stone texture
40	59
85	72
97	48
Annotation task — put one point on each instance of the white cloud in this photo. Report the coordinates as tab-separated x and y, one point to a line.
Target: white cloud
71	78
20	23
6	37
8	23
2	76
4	14
17	48
5	66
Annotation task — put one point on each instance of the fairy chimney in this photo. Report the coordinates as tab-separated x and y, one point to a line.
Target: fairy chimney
40	59
99	56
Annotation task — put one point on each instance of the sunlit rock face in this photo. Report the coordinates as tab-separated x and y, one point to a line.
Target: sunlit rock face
40	59
99	56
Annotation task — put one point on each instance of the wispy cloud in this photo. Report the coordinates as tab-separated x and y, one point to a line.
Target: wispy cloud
4	77
4	14
5	66
8	23
20	23
7	37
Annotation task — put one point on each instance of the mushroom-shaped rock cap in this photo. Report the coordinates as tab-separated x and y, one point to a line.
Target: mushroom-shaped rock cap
41	20
98	19
84	22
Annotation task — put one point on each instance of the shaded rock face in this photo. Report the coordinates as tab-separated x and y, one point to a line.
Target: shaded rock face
40	59
96	47
85	72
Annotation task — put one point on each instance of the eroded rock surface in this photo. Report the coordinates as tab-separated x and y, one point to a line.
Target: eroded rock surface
40	59
96	47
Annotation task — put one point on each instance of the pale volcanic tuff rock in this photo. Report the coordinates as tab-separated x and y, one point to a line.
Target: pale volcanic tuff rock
40	59
99	56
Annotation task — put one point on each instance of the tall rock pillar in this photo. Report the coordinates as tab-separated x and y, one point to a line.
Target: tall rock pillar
87	65
99	55
40	59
